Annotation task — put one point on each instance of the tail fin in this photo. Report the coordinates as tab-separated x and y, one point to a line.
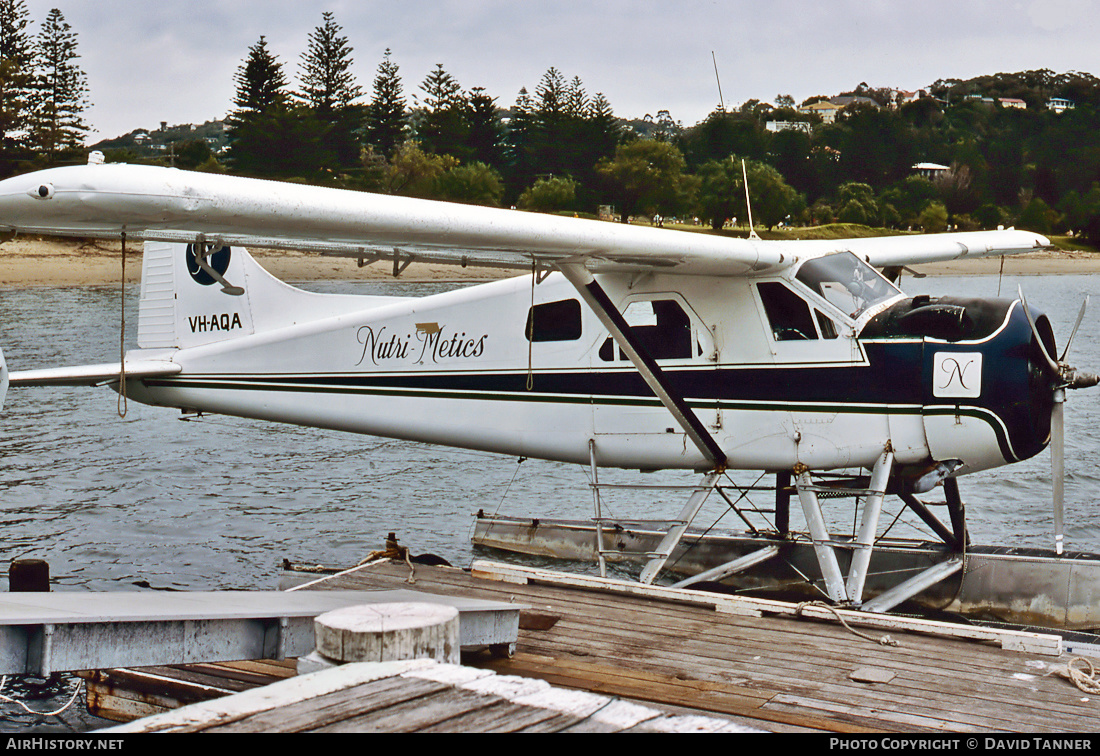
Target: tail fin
188	300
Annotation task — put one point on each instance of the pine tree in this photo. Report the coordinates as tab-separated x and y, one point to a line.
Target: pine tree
327	82
16	80
268	135
442	126
518	159
329	88
485	131
261	84
386	118
60	93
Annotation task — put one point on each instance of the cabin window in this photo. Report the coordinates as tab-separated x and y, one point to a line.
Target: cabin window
788	314
554	321
661	326
846	282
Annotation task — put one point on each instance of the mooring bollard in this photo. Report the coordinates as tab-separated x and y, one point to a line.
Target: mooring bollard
384	632
29	576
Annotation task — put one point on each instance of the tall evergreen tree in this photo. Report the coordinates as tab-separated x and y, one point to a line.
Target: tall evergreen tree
518	158
16	81
485	130
268	135
327	82
60	93
442	126
261	83
386	120
329	88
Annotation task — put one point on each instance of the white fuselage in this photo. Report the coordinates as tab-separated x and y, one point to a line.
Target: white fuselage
458	369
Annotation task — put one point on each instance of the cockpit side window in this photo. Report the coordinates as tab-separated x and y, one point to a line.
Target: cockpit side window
846	282
788	314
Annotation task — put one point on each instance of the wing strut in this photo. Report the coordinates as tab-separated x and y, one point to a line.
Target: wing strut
596	298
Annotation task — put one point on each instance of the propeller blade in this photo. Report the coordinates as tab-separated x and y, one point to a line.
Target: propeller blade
1035	330
1080	317
3	379
1058	464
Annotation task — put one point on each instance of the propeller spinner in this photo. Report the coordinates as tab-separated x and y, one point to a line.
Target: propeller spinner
1061	376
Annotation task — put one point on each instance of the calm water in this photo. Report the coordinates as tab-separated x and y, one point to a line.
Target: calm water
115	504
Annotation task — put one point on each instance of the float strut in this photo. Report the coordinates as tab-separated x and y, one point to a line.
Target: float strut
826	556
865	540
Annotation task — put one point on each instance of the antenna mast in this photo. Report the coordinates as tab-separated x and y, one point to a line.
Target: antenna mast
721	102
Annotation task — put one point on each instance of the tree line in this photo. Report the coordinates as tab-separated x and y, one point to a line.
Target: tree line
559	149
43	90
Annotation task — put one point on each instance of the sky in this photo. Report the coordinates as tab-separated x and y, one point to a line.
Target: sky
175	60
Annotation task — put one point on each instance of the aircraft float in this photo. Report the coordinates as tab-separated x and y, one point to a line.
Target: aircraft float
617	346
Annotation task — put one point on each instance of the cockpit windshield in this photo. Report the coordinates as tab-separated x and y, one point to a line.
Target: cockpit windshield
847	282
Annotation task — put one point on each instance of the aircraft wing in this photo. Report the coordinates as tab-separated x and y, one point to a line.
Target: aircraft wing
886	251
166	204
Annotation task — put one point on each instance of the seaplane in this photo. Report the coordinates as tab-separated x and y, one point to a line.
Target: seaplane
615	346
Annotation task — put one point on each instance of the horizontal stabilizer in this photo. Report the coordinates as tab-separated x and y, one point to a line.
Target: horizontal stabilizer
91	375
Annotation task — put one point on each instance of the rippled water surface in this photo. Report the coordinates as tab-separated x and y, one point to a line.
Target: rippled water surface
118	503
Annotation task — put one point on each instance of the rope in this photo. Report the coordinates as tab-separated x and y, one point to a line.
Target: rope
1085	681
885	640
7	699
122	408
411	579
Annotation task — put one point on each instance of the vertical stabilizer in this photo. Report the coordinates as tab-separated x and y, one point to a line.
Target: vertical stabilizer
188	300
183	304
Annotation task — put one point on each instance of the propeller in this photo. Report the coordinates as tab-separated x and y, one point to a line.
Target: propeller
3	379
1063	376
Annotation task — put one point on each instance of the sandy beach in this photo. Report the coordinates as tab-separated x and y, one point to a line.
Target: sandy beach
26	261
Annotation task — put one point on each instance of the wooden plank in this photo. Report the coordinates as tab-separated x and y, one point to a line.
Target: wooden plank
693	694
745	606
898	719
105	705
315	712
444	708
500	717
998	711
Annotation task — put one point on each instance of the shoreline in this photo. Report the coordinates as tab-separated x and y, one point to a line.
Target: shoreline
28	262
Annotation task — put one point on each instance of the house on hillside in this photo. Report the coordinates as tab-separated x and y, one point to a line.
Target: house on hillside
1012	102
899	97
846	100
823	108
930	171
1059	104
777	126
828	109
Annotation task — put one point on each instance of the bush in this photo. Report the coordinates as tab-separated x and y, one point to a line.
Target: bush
550	195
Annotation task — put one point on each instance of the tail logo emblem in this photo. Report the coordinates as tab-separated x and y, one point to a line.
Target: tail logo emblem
218	260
